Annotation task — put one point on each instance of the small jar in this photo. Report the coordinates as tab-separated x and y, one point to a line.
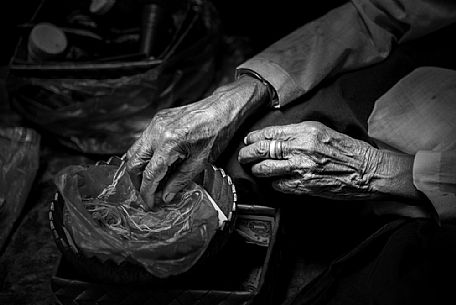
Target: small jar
46	42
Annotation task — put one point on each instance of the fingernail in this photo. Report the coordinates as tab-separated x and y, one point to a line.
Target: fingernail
169	197
245	140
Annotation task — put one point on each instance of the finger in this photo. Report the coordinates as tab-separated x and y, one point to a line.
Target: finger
254	152
154	172
134	166
178	180
272	168
290	186
137	157
132	150
268	133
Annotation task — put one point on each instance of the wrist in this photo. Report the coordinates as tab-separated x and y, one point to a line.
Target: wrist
230	105
393	175
272	94
241	98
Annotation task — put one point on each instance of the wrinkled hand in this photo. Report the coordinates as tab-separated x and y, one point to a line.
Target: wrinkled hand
183	137
319	161
179	142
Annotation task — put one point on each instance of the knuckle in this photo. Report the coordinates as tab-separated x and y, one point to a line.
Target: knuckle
281	134
315	128
311	145
263	147
315	124
170	136
264	168
148	174
312	130
132	165
154	169
269	133
160	120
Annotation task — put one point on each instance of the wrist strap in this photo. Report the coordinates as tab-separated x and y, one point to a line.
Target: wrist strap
272	92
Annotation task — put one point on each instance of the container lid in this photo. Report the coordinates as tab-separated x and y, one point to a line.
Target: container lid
46	41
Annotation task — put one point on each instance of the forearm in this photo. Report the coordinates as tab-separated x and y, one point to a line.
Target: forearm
352	36
336	42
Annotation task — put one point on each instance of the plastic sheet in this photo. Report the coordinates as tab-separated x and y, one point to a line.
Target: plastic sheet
166	241
102	107
19	161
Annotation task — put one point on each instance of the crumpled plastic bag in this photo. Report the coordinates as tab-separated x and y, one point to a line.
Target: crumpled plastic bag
102	107
166	241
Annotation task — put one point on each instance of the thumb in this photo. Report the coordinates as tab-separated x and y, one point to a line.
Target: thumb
185	173
154	172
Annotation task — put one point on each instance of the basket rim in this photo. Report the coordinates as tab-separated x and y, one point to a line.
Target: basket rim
68	249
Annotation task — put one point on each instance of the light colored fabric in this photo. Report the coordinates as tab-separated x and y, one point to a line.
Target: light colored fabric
418	113
354	35
418	116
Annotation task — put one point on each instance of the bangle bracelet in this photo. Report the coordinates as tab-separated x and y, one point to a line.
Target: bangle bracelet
271	91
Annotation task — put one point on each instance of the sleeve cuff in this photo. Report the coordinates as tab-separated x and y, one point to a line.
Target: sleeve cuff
271	91
283	84
427	177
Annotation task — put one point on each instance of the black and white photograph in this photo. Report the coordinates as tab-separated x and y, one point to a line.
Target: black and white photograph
211	152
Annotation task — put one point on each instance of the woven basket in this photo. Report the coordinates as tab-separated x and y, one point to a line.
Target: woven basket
214	180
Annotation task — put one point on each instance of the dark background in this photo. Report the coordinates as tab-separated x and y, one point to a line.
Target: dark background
261	21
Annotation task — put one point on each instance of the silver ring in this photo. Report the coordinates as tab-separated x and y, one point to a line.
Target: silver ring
279	150
272	149
276	149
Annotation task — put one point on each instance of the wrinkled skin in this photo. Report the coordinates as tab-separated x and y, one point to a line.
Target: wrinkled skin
179	142
322	162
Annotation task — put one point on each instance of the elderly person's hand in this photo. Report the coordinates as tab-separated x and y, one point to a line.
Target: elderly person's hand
310	158
179	142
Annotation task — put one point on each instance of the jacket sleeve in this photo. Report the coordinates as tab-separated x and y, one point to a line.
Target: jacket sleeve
354	35
418	116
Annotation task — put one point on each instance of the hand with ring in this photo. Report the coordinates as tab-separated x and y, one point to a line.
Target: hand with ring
276	149
311	158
